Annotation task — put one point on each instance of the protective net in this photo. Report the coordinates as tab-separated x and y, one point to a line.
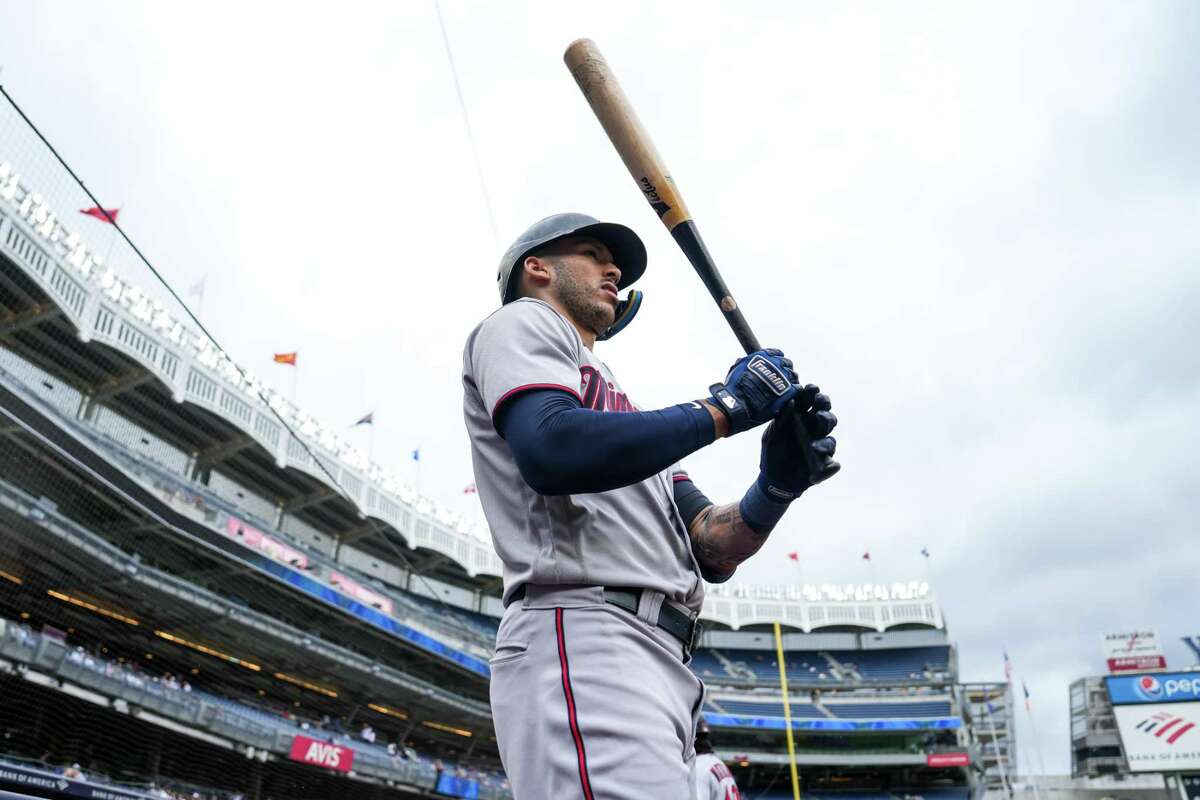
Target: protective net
204	592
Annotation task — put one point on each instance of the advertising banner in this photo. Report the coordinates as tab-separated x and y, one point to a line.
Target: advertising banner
253	537
360	593
307	750
44	783
1135	651
1160	737
947	760
455	786
1162	687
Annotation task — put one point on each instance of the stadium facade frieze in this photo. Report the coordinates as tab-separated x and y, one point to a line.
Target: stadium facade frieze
107	310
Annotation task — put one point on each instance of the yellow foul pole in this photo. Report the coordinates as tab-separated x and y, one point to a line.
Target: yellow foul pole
787	712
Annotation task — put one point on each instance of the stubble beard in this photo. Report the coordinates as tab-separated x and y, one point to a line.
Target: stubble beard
579	299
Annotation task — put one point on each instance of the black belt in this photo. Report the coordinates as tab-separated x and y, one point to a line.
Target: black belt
670	619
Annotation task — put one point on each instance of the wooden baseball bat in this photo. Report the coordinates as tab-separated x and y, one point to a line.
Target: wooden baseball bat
610	105
621	123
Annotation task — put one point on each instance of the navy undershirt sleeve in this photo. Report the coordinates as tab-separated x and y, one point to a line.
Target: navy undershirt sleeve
689	499
563	448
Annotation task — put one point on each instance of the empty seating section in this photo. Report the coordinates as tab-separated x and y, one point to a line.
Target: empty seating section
707	665
809	667
910	663
888	710
774	708
750	708
802	666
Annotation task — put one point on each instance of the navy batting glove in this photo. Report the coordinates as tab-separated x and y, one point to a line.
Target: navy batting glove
796	448
756	389
797	445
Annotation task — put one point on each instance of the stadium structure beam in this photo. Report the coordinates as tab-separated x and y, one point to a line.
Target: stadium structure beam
366	529
305	500
111	388
428	563
156	428
220	452
10	284
24	320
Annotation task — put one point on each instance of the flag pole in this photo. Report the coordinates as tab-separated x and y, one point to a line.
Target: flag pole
787	712
1037	745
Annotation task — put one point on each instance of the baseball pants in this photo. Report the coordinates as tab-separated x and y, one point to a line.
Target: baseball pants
591	702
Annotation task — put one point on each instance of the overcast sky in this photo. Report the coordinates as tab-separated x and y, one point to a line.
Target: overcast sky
974	226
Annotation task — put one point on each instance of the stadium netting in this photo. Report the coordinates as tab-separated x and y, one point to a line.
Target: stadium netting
203	591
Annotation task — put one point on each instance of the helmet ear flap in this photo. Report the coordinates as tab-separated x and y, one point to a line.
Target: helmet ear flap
626	310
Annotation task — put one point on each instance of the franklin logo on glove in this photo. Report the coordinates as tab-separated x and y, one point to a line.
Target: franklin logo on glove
764	369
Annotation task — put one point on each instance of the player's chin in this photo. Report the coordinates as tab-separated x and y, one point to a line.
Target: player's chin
604	317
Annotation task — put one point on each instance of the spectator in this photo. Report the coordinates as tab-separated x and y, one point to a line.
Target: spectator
74	773
367	734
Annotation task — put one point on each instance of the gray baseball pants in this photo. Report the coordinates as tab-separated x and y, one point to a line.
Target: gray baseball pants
591	702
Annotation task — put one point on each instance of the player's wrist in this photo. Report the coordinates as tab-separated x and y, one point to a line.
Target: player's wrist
719	418
761	508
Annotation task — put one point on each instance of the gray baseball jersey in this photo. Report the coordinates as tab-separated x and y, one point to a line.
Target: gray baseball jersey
632	536
712	779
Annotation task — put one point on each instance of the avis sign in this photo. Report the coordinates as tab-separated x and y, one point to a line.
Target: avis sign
948	760
322	754
1135	651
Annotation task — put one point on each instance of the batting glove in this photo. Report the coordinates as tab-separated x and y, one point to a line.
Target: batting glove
756	389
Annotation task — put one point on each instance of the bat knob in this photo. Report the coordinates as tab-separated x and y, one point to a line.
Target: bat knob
826	470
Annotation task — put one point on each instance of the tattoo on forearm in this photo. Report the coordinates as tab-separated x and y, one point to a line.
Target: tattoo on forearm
721	539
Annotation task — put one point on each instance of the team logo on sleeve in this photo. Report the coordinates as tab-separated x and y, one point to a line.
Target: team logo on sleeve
600	394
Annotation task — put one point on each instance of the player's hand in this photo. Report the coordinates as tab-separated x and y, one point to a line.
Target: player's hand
756	389
796	446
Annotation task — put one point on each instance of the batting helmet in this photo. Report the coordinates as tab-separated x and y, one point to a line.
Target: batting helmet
629	254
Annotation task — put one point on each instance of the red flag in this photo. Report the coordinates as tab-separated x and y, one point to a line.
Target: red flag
102	214
794	556
867	556
285	358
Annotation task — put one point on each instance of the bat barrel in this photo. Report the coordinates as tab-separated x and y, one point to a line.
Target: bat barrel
615	113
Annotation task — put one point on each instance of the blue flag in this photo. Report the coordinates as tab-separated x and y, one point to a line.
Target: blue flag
417	455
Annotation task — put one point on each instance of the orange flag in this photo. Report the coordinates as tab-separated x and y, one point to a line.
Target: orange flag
285	358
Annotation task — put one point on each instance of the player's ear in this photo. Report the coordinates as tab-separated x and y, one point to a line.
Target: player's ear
535	273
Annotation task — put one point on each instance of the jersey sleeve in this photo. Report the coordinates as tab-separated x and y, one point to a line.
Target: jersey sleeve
525	345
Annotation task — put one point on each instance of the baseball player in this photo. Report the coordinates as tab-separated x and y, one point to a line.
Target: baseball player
603	537
712	779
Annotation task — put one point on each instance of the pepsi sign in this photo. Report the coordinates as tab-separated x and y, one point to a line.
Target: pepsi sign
1163	687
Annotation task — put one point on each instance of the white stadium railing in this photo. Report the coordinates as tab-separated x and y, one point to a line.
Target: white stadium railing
106	309
809	607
